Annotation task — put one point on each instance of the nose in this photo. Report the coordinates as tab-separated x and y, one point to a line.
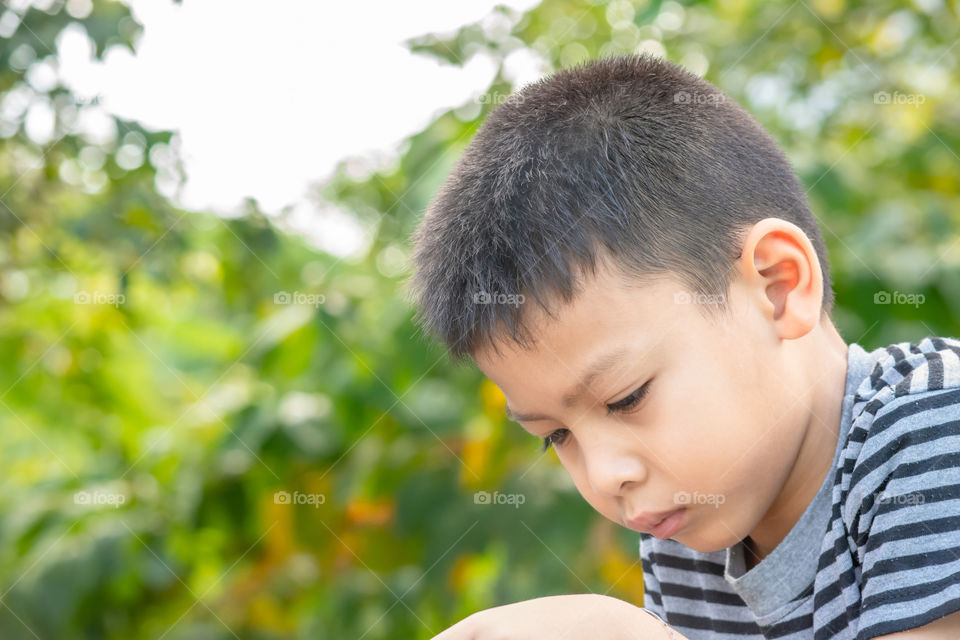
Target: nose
611	462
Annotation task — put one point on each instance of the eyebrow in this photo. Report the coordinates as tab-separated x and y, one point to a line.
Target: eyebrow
590	374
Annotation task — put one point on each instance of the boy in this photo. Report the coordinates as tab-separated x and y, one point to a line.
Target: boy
631	259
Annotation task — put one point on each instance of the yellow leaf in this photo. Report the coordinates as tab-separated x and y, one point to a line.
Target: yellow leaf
279	541
624	575
493	400
477	446
828	8
361	511
265	613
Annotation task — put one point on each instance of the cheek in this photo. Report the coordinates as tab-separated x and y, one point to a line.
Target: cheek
732	452
709	432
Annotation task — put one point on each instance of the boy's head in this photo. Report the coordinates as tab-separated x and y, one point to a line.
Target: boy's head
628	206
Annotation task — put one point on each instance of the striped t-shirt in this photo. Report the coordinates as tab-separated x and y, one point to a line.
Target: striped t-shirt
876	551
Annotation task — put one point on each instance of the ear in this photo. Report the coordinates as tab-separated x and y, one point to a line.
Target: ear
778	261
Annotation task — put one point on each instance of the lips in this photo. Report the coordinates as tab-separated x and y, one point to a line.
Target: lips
648	520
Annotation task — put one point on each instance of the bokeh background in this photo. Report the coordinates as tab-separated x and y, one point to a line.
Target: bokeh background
211	428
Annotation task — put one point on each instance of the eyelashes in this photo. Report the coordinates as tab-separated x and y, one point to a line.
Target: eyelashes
558	437
623	406
555	439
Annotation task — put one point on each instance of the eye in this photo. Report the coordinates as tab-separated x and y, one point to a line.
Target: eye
555	439
558	437
632	400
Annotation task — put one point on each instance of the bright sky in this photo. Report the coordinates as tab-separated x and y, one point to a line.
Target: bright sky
269	96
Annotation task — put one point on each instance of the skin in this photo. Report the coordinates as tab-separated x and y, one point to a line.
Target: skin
564	617
747	408
743	410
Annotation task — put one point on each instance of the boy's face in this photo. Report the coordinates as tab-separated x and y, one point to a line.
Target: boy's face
716	431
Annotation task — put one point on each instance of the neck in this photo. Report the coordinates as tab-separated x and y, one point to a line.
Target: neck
827	377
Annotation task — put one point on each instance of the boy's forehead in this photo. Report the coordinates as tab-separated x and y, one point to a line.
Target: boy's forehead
608	300
601	323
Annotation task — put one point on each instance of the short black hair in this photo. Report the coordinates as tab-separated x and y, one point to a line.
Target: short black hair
630	156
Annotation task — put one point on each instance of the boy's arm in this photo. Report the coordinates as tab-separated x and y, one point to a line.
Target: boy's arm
907	478
566	617
946	628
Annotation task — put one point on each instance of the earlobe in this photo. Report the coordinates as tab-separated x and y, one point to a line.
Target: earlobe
779	260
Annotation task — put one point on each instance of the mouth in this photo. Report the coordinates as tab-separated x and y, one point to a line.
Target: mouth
660	525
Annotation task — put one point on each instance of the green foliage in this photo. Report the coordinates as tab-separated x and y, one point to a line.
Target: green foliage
168	372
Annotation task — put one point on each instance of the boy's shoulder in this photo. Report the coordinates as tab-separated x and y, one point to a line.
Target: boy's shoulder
908	402
907	369
902	411
897	487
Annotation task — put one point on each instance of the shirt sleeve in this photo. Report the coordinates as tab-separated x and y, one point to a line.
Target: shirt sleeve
907	527
652	598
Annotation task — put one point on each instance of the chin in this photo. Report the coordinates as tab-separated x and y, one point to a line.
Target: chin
706	543
702	548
